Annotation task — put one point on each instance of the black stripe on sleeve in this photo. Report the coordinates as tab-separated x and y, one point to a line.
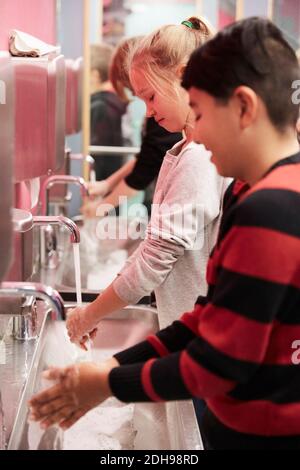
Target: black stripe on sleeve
176	336
257	299
140	352
276	383
166	378
274	209
220	364
126	384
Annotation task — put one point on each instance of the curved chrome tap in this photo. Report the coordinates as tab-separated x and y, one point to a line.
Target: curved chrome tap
59	220
60	179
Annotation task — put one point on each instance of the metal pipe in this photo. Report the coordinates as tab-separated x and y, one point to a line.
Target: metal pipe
36	290
105	149
90	161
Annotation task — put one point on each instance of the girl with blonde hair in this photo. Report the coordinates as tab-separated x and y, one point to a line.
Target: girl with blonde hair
188	196
140	172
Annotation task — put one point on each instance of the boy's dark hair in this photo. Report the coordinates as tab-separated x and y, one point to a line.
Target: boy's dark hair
254	53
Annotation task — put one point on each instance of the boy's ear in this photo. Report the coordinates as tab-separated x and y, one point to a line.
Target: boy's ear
246	102
180	71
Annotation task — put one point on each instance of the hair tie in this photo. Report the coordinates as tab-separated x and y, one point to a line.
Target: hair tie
189	24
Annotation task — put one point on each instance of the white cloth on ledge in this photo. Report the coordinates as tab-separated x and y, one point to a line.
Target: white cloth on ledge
24	45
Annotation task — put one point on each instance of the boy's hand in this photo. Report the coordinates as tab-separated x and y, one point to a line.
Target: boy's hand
79	388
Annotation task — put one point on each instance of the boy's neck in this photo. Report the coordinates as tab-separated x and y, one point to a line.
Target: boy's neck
268	154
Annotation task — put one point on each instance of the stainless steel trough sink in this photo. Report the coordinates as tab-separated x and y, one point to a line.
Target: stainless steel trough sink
176	428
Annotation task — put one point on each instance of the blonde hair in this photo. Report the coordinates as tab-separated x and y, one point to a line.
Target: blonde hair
101	55
161	53
118	72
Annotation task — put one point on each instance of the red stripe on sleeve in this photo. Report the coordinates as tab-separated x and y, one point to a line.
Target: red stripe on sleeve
159	347
191	319
234	335
201	382
147	383
262	253
257	417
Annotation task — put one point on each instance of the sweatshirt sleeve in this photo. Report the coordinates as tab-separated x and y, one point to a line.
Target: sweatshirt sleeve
193	198
252	268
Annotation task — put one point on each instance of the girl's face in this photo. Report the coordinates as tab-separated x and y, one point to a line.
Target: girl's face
170	110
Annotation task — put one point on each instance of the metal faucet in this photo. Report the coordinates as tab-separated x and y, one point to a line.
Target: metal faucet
89	160
48	246
25	324
59	220
60	179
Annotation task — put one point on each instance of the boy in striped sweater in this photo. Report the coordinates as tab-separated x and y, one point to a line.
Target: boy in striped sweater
235	349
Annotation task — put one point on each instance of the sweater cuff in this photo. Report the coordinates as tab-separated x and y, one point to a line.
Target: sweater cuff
126	383
140	352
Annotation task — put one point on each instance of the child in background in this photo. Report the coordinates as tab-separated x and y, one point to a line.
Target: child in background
236	349
107	111
138	173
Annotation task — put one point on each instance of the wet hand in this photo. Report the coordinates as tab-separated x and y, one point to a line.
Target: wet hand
81	324
78	389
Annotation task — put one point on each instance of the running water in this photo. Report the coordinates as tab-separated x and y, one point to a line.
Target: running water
80	354
77	273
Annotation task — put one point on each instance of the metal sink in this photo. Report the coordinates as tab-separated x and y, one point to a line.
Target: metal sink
177	423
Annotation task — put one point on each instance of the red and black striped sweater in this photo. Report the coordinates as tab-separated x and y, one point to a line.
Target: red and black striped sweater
235	348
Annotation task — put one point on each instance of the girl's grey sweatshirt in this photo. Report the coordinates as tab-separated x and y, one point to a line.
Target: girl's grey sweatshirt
172	258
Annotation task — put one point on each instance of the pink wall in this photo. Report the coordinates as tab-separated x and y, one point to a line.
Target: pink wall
36	17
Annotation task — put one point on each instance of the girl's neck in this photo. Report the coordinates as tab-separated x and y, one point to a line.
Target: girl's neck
188	128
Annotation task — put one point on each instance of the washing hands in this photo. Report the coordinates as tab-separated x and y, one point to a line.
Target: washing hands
92	205
81	325
82	321
78	388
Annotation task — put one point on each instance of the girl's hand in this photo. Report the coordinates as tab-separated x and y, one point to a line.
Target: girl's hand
78	389
81	323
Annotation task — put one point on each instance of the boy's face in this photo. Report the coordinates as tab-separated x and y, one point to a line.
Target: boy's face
169	111
217	128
